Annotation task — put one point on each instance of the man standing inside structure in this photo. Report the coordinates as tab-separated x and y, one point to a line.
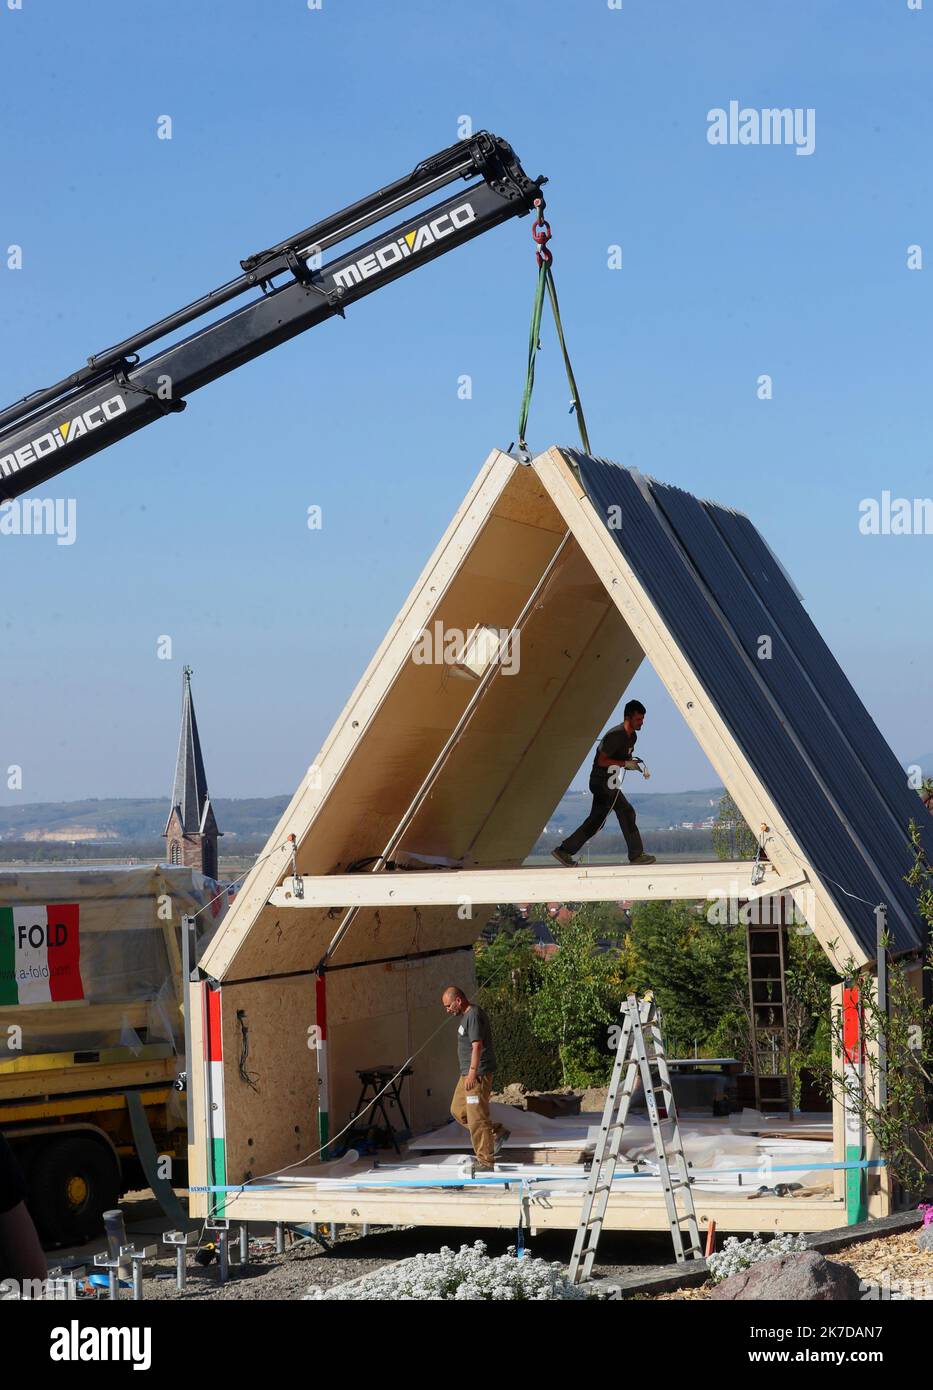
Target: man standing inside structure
613	758
470	1104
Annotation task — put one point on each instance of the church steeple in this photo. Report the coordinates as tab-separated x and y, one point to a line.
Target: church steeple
191	832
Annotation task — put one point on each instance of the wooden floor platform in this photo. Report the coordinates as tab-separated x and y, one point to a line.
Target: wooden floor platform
480	1208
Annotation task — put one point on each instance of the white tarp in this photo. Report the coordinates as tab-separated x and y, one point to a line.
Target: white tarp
118	953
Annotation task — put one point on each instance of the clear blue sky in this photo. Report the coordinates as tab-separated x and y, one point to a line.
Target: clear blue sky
737	261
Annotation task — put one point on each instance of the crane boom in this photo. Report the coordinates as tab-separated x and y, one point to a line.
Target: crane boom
117	393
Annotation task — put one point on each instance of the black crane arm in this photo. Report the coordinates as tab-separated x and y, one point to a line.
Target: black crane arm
116	393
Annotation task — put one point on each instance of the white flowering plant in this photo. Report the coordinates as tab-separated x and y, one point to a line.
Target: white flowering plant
737	1255
466	1274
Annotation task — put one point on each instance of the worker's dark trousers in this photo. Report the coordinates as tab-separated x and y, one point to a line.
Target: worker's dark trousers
605	800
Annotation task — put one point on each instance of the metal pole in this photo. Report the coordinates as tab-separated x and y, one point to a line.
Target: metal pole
782	951
280	1238
881	929
244	1244
180	1271
223	1254
323	1062
115	1231
187	924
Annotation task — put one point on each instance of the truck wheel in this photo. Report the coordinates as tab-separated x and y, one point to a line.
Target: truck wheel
73	1181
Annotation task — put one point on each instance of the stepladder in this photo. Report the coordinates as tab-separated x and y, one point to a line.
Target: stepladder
640	1057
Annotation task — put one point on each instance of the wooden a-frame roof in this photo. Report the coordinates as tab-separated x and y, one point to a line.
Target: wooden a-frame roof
596	568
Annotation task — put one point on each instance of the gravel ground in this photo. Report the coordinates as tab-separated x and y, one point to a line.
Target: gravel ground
307	1266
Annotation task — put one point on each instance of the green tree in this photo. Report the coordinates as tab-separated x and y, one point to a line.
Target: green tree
696	970
608	919
508	919
732	838
578	997
507	968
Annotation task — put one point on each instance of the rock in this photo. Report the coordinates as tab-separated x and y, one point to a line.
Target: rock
799	1277
564	1101
513	1094
925	1239
593	1098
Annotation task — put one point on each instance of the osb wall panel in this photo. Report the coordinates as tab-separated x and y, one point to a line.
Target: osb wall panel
381	1016
273	1121
368	992
526	501
365	1042
386	932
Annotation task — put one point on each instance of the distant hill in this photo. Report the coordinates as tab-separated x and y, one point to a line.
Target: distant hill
655	810
134	820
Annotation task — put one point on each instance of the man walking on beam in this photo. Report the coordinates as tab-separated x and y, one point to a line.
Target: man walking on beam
613	759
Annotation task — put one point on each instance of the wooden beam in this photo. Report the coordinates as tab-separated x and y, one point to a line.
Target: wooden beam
559	1211
586	883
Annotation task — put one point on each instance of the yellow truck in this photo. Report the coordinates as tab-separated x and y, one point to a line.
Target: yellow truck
92	1051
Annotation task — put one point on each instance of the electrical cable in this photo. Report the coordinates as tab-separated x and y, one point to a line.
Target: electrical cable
332	1139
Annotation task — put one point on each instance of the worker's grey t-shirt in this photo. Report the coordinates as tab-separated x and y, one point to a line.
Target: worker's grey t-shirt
474	1027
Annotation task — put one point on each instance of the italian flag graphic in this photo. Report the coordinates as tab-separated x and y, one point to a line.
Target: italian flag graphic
40	954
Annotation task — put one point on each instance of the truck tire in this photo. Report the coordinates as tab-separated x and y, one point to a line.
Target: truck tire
72	1182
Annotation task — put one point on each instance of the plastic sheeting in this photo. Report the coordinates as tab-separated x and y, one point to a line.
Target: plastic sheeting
124	922
716	1148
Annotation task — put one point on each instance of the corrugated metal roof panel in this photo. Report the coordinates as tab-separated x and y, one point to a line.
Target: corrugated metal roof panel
779	597
789	726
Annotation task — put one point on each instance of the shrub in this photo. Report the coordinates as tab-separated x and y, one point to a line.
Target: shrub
468	1275
520	1056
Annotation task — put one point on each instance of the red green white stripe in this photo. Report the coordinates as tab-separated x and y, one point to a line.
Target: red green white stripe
216	1126
40	954
323	1089
853	1060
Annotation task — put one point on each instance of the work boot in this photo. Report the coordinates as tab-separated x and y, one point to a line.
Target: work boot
564	858
644	859
484	1168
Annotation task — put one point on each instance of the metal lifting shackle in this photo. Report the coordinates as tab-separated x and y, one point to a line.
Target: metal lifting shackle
541	231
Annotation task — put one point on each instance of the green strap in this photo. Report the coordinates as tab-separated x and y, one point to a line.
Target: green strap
533	344
546	279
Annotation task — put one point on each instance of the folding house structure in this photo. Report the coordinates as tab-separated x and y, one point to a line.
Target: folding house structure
552	583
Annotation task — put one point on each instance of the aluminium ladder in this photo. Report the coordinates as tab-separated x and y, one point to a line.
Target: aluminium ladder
641	1049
